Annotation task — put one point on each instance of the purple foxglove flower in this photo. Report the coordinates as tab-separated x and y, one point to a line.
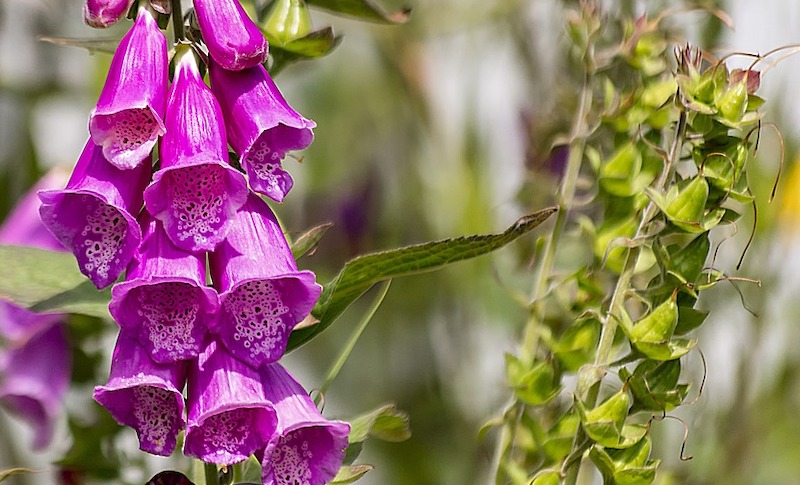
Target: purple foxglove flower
104	13
164	300
308	449
35	379
229	418
196	192
23	227
233	40
127	120
261	126
93	217
145	395
262	294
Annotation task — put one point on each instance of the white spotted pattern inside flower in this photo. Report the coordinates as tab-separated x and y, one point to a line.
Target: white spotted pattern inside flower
291	461
169	313
103	236
265	163
228	432
130	128
197	195
156	418
260	321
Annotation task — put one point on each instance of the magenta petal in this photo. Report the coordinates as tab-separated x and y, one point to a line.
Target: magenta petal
229	418
196	192
262	294
127	120
93	217
261	126
310	448
104	13
35	379
233	40
145	395
164	300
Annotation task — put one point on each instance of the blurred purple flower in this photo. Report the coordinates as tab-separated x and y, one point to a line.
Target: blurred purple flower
104	13
34	379
196	192
261	126
308	449
164	300
23	227
262	293
94	216
145	395
229	417
233	40
127	120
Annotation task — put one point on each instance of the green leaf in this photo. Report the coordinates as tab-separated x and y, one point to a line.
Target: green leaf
359	274
536	386
349	474
363	10
248	471
617	175
604	423
654	385
546	478
577	345
688	262
558	443
658	325
309	239
107	46
8	473
49	281
689	319
385	423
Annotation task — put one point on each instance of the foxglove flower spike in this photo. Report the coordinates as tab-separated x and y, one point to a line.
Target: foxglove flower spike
229	418
196	192
94	216
164	300
262	293
145	395
128	118
261	126
233	40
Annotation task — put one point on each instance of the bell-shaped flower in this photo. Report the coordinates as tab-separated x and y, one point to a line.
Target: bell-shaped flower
34	379
229	418
145	395
232	38
262	293
308	448
164	300
128	118
104	13
94	216
196	192
261	126
23	227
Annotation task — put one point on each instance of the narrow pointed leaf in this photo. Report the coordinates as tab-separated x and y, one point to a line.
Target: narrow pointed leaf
359	274
107	46
363	10
349	474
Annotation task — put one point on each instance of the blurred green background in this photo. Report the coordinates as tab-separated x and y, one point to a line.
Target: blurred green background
438	128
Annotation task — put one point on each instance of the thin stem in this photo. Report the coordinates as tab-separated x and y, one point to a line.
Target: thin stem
351	343
177	21
211	473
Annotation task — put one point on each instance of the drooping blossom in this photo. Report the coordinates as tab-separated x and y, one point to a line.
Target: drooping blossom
229	417
94	216
232	38
145	395
262	293
261	126
23	227
104	13
308	448
34	379
128	118
164	300
196	192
